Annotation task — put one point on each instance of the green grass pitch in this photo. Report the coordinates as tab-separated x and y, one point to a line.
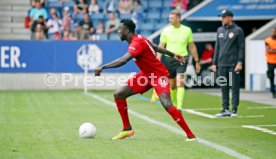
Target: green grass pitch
44	124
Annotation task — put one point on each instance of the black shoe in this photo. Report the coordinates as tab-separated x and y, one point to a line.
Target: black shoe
224	113
273	95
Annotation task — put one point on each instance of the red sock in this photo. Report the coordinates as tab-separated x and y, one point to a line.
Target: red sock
177	116
122	108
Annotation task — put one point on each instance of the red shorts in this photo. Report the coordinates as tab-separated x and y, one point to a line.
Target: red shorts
141	83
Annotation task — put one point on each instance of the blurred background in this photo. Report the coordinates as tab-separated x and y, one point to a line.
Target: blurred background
51	36
48	47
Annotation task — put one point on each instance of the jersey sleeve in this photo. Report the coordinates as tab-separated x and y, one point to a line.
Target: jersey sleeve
135	49
190	36
163	37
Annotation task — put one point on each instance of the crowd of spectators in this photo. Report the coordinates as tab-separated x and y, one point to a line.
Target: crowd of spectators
93	19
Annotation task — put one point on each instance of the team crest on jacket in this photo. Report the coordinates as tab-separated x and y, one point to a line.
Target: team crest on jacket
231	35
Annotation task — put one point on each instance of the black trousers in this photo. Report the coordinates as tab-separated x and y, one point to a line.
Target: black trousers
270	75
232	80
204	67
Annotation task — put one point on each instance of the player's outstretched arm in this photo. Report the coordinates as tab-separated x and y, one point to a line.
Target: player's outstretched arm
114	64
169	53
161	50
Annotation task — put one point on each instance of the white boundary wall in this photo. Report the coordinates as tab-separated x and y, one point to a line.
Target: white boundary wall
255	60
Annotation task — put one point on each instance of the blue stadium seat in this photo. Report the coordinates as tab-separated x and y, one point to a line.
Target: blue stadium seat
103	36
78	18
155	4
160	25
68	3
151	11
102	4
114	36
125	16
55	4
72	27
98	16
145	3
95	22
137	31
151	21
153	15
165	15
164	20
145	33
166	3
167	9
147	26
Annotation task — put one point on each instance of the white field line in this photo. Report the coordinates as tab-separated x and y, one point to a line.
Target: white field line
195	112
191	111
270	125
264	107
218	147
265	130
252	116
207	109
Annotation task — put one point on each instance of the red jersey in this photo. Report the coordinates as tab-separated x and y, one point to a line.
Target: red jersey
207	54
144	57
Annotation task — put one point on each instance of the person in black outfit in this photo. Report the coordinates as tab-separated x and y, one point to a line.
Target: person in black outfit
228	61
40	21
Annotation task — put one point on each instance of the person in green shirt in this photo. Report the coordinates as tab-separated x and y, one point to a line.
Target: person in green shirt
177	38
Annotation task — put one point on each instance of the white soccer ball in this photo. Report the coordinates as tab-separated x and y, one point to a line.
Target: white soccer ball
87	130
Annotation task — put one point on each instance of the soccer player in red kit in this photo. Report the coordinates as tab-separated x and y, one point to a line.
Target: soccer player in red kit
153	75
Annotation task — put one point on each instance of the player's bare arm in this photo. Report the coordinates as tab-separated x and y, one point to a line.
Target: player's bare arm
193	50
161	50
162	45
114	64
169	53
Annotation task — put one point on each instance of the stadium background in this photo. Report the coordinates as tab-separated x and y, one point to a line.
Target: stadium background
27	106
47	56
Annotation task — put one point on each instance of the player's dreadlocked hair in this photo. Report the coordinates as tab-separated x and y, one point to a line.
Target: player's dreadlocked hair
129	24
